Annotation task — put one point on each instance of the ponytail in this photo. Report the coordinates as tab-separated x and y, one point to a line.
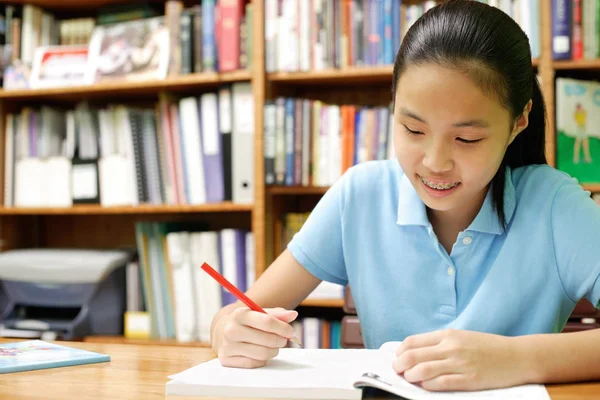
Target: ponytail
529	147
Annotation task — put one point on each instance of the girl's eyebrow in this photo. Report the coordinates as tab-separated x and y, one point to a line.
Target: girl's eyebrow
476	123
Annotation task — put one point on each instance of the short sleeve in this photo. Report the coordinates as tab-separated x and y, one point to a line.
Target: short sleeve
576	234
318	245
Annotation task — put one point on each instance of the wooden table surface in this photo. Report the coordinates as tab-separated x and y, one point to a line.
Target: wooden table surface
141	372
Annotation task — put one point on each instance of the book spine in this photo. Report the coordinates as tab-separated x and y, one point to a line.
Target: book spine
197	37
229	35
173	10
561	30
577	34
185	40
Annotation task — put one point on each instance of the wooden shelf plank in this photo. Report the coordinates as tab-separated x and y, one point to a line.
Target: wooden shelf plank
592	187
141	209
296	190
72	4
337	303
116	88
376	74
576	64
367	74
155	342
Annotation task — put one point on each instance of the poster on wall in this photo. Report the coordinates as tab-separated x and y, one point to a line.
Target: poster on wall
578	129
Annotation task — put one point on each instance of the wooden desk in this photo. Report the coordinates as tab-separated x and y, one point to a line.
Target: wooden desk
141	372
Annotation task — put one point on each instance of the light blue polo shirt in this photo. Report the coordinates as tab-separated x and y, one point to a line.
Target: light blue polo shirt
371	231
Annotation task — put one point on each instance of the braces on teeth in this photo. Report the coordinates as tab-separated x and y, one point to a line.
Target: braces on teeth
439	186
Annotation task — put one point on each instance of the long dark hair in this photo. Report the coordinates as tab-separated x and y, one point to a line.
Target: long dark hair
492	48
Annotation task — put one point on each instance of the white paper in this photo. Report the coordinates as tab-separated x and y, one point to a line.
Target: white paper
330	373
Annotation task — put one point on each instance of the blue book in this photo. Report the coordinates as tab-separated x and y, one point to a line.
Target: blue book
37	354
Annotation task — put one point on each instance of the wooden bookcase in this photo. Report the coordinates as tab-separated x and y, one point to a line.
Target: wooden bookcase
102	227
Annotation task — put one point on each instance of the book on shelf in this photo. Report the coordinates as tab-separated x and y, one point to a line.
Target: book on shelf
305	35
143	155
312	143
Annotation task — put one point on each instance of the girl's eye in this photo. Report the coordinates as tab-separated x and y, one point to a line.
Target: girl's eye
468	141
410	131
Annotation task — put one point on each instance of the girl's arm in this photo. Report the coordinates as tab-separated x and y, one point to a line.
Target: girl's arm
559	357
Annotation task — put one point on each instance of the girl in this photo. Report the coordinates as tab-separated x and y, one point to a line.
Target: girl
467	247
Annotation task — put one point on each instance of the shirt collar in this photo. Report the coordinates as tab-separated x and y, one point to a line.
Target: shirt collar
487	219
412	211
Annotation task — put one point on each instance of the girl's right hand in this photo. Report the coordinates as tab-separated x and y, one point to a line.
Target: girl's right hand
249	339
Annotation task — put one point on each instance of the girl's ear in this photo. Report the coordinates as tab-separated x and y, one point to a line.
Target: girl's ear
521	122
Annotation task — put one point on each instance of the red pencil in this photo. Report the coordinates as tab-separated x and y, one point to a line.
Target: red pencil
238	293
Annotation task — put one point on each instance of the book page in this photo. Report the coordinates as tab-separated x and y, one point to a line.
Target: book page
291	368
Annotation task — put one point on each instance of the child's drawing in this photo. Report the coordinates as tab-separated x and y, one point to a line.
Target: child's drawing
578	128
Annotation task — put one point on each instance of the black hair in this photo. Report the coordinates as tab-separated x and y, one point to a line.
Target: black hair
493	50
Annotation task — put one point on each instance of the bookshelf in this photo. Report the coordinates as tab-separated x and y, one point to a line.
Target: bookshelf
95	209
111	90
262	216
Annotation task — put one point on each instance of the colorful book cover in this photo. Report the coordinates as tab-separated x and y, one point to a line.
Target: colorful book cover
578	129
37	354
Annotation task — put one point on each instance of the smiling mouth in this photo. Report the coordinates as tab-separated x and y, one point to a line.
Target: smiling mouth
438	185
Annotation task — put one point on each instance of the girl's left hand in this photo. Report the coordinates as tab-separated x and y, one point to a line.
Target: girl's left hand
459	361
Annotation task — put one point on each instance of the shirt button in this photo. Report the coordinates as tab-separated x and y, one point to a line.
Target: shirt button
467	240
450	271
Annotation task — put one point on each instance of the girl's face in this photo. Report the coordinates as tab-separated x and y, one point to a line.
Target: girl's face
449	136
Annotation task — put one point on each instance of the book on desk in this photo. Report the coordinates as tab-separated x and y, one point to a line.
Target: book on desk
37	354
322	374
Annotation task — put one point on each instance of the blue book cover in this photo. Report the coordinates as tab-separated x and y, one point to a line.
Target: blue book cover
36	354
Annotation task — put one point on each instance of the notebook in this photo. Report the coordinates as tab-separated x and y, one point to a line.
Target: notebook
323	374
37	354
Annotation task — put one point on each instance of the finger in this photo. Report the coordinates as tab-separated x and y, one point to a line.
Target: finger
452	382
418	341
241	362
243	333
283	314
265	322
249	350
413	357
429	370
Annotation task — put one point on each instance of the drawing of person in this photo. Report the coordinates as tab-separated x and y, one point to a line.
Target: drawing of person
581	136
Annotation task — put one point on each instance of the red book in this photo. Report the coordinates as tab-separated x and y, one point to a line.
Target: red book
231	14
577	31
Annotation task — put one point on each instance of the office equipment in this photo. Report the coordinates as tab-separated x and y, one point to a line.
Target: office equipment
71	293
237	293
37	354
322	374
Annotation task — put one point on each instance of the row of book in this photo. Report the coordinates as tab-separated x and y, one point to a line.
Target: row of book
575	29
317	333
180	298
311	143
191	150
168	284
215	35
304	35
527	13
125	42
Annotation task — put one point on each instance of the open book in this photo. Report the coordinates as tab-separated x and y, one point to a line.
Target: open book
322	374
